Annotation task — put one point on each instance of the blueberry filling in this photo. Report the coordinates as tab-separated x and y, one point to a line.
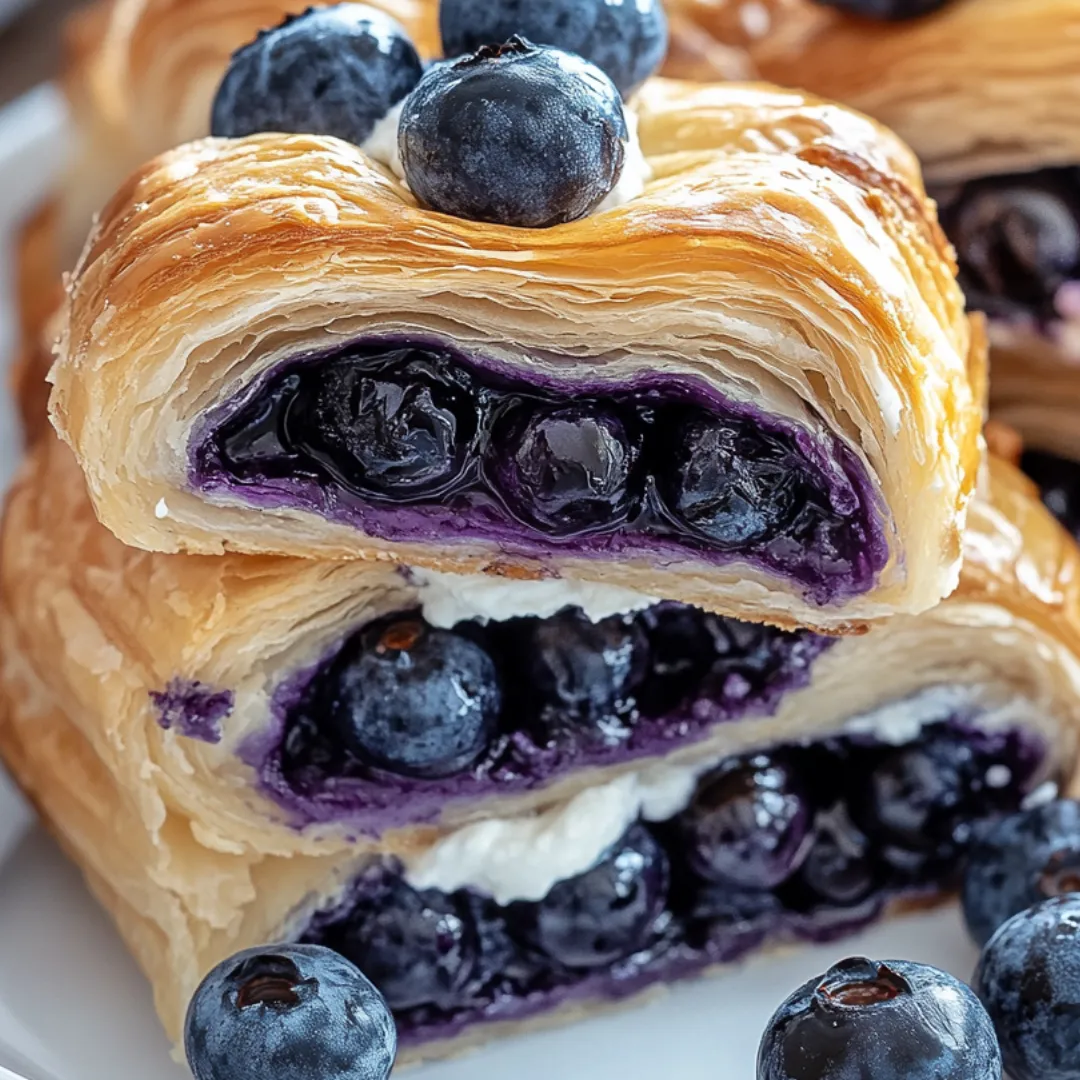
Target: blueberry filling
1059	481
1017	241
672	898
411	440
404	717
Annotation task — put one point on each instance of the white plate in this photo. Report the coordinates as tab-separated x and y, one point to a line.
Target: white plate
74	1007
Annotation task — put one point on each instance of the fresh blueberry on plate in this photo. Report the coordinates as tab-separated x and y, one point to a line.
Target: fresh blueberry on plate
514	134
627	39
412	699
288	1012
604	914
749	824
867	1020
1019	861
330	71
890	10
1029	981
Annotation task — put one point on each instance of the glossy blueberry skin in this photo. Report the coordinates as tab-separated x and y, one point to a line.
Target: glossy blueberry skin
566	469
412	699
626	39
888	10
1029	980
515	135
581	676
748	824
838	869
331	71
394	434
606	913
729	484
913	803
890	1021
418	948
1018	862
288	1012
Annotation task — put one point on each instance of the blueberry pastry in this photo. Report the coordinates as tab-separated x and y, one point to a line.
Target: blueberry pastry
981	92
719	386
198	730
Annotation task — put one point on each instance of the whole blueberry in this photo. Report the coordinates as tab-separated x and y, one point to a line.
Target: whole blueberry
748	823
566	470
581	676
627	39
892	10
412	699
1016	244
1029	980
1019	861
288	1012
682	649
1059	482
397	435
895	1020
914	802
331	71
729	482
514	134
838	869
418	948
604	914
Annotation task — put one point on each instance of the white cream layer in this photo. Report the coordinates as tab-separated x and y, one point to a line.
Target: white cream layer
447	599
522	858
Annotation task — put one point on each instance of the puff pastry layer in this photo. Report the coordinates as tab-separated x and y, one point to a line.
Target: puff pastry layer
979	87
982	90
191	866
783	260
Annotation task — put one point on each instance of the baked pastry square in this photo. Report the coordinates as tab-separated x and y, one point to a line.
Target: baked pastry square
984	92
981	691
769	342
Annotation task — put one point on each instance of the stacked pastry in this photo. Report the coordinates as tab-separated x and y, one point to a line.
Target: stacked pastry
534	614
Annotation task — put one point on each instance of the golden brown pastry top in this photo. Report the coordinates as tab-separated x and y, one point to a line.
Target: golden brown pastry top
768	209
979	87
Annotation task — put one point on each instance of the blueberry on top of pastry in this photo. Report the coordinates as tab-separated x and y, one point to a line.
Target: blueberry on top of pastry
515	134
626	39
331	71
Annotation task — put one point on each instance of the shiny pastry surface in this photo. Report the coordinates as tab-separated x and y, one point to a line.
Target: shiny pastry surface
90	628
717	241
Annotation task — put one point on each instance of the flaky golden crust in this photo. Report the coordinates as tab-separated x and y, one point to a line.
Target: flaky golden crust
87	625
784	253
980	87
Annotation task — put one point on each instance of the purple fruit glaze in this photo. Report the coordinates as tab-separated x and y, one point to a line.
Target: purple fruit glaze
372	802
679	946
192	709
829	570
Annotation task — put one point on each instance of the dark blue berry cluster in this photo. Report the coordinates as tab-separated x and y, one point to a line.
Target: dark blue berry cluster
502	130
